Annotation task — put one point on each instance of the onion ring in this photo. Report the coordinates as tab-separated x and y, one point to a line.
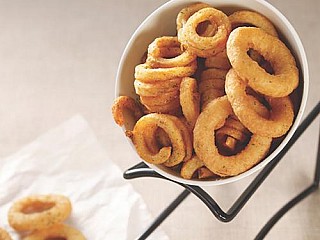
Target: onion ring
286	77
281	116
190	167
147	126
157	138
190	100
213	117
205	46
156	60
4	235
59	231
253	18
123	103
146	142
144	73
38	211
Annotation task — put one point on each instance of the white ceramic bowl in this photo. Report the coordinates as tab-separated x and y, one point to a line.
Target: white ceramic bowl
162	22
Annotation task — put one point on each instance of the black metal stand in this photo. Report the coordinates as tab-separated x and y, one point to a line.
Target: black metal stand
142	170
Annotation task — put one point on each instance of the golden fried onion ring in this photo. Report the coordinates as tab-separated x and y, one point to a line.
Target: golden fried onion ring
4	235
281	115
59	231
145	129
145	73
123	103
160	138
38	212
253	18
206	46
190	100
285	79
212	118
156	60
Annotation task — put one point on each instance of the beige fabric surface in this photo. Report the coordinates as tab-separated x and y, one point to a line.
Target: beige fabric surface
59	58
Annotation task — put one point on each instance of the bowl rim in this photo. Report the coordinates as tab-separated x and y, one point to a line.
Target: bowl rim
298	117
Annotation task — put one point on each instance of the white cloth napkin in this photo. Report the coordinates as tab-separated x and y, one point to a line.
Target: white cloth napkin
69	160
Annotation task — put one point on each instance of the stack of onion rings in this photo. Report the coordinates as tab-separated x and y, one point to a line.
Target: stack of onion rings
158	80
211	85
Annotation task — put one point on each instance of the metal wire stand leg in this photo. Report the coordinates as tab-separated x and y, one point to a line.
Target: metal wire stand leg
313	187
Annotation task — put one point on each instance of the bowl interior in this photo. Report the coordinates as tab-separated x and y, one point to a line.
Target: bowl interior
163	22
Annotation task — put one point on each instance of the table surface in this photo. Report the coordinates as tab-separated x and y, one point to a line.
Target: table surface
59	58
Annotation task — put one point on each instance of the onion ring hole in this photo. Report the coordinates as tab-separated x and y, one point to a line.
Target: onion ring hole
37	207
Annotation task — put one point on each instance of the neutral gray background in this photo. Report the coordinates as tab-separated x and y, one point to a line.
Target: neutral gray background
59	58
